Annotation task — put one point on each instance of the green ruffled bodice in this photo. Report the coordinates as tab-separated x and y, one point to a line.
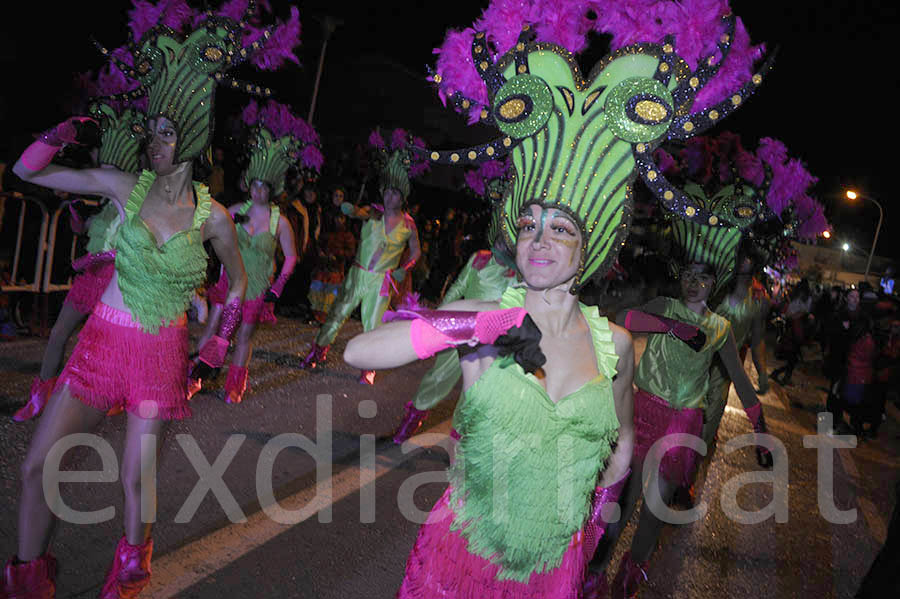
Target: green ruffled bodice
157	281
258	253
673	371
102	230
526	467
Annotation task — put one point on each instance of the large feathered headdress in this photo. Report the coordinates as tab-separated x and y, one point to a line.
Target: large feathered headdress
577	143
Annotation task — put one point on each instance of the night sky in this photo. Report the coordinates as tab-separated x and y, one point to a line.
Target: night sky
829	98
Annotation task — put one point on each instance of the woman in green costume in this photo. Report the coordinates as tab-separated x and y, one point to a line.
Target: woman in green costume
279	140
545	422
133	350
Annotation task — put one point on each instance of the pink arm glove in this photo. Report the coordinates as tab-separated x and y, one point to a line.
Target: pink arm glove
286	270
434	330
642	322
39	154
603	496
212	354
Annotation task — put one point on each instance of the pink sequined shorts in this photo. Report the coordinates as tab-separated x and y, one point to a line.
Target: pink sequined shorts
654	419
117	364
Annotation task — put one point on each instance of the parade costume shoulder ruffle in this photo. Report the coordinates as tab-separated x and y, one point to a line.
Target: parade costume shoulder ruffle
157	281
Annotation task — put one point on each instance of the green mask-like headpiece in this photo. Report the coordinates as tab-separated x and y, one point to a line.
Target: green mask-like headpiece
270	159
179	72
577	144
396	160
732	210
121	135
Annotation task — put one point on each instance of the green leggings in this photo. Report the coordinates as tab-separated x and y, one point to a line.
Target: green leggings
361	288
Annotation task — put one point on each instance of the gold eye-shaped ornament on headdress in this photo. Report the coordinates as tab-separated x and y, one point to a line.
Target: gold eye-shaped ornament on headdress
522	106
639	109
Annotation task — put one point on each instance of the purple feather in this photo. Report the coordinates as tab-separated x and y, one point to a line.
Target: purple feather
250	114
376	140
233	9
279	47
311	157
475	182
399	139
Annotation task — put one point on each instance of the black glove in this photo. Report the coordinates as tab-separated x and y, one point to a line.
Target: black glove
523	343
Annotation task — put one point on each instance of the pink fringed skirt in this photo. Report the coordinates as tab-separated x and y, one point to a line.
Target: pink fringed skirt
253	311
654	419
116	364
88	286
441	567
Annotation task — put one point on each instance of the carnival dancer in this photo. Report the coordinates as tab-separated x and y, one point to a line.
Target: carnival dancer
133	350
672	377
566	214
387	232
279	141
790	213
485	277
121	134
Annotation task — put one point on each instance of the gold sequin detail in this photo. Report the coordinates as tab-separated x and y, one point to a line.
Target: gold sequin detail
490	150
651	175
454	157
512	109
663	68
507	142
522	68
713	220
438	78
725	38
688	126
480	34
694	82
745	212
650	110
478	49
690	211
713	114
520	47
757	79
484	114
641	148
668	49
465	103
435	155
668	195
213	54
472	155
483	65
735	99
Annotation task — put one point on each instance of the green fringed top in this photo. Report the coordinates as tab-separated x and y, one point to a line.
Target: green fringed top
526	467
673	371
157	281
373	238
102	230
486	284
258	252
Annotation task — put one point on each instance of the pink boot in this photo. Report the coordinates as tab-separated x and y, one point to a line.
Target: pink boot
595	586
37	401
410	424
30	580
315	357
129	572
629	578
366	377
235	384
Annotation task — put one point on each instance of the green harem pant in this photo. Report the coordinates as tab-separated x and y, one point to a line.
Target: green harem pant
361	288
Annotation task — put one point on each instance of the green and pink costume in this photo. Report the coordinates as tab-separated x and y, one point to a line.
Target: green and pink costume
545	457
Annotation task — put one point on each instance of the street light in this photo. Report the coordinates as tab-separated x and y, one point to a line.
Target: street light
846	247
852	195
826	234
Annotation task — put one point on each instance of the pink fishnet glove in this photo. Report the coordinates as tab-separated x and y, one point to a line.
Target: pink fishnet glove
39	154
435	330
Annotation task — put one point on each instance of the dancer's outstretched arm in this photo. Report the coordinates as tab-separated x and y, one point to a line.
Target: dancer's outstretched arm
390	345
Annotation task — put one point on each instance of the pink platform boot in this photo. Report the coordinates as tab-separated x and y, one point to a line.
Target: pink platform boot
410	424
629	578
235	384
37	400
30	580
315	357
129	573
